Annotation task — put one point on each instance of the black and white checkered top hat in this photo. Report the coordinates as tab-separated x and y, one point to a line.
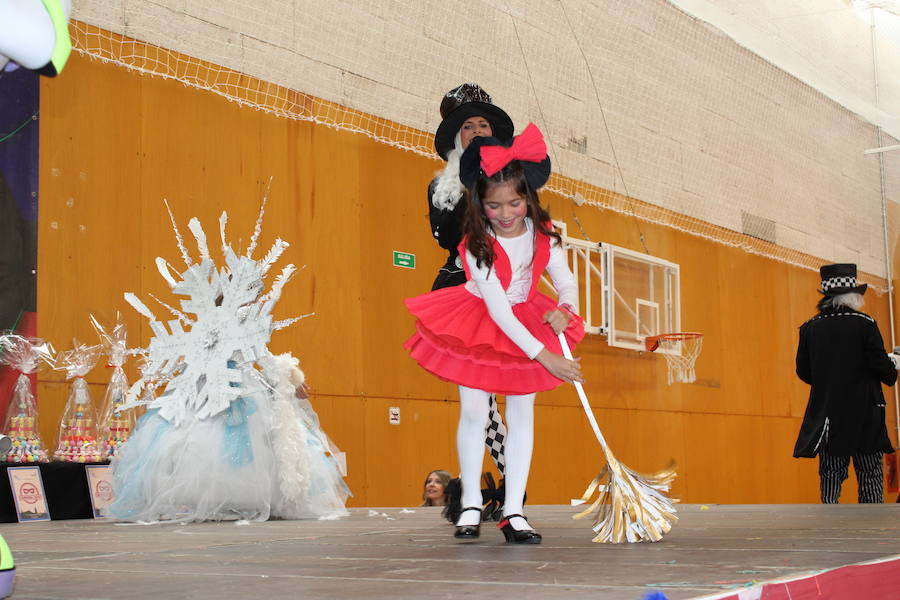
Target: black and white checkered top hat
840	279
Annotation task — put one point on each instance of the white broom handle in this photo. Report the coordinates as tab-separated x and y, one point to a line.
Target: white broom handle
581	395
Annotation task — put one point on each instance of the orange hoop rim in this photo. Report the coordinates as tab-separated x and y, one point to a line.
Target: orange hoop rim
651	343
679	336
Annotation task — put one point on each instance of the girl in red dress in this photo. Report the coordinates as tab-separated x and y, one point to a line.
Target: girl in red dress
497	333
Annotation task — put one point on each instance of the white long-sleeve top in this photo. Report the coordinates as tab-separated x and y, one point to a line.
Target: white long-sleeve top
485	284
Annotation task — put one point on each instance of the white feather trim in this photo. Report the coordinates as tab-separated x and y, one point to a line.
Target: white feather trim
448	189
289	437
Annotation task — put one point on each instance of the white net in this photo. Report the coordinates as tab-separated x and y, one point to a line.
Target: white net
648	110
681	351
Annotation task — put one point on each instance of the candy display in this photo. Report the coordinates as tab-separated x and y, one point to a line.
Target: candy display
21	424
78	440
115	423
27	446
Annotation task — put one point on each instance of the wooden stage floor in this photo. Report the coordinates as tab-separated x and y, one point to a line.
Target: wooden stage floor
394	553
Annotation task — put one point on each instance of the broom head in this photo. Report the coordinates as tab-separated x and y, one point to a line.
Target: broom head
629	506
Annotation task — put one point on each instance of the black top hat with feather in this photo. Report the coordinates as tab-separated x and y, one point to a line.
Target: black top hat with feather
464	102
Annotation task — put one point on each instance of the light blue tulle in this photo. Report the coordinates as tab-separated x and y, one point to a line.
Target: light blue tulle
129	495
238	449
225	466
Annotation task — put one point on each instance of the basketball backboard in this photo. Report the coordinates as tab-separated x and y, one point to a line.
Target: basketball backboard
624	295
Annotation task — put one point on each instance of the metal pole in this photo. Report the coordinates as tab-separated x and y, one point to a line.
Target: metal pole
882	149
888	262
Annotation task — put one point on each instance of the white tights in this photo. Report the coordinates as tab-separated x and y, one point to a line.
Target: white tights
473	418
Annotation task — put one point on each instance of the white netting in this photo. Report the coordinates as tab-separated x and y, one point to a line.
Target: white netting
890	167
681	351
648	110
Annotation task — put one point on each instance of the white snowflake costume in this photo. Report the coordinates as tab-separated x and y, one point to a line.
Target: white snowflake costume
228	438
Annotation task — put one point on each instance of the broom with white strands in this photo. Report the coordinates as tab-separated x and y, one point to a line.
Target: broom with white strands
630	507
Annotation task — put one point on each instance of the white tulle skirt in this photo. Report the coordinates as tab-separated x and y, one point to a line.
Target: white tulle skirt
265	457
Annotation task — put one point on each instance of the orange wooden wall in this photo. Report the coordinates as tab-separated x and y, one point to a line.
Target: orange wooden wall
114	144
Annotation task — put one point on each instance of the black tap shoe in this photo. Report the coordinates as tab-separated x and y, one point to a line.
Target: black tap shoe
514	536
468	532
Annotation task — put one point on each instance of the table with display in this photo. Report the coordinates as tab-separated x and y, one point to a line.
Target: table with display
65	486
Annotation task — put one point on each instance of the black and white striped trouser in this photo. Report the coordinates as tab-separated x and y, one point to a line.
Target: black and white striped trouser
869	476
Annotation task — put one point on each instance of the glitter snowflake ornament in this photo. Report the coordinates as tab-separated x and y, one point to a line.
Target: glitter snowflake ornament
225	322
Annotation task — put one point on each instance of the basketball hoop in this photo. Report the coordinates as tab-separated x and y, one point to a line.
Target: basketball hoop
681	351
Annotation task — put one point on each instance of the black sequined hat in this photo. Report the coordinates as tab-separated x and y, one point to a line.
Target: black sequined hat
840	279
464	102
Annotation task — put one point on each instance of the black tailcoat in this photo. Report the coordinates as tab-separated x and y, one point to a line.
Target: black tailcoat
446	227
841	355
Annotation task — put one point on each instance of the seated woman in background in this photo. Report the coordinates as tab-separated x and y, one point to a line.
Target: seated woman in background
435	489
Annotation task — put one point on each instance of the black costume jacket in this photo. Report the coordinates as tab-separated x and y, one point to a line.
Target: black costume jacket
446	227
841	355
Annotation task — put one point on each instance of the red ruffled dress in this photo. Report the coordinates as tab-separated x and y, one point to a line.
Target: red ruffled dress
457	340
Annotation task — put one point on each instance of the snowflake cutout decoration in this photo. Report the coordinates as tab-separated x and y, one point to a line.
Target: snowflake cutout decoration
231	323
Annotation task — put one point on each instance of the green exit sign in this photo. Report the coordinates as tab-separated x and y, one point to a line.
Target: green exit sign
404	259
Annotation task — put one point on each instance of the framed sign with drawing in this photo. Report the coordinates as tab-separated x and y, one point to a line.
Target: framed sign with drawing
28	493
100	484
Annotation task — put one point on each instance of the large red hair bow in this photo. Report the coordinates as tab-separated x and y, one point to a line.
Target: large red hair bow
528	145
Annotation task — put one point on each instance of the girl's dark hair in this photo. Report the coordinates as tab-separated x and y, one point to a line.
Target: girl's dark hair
476	224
